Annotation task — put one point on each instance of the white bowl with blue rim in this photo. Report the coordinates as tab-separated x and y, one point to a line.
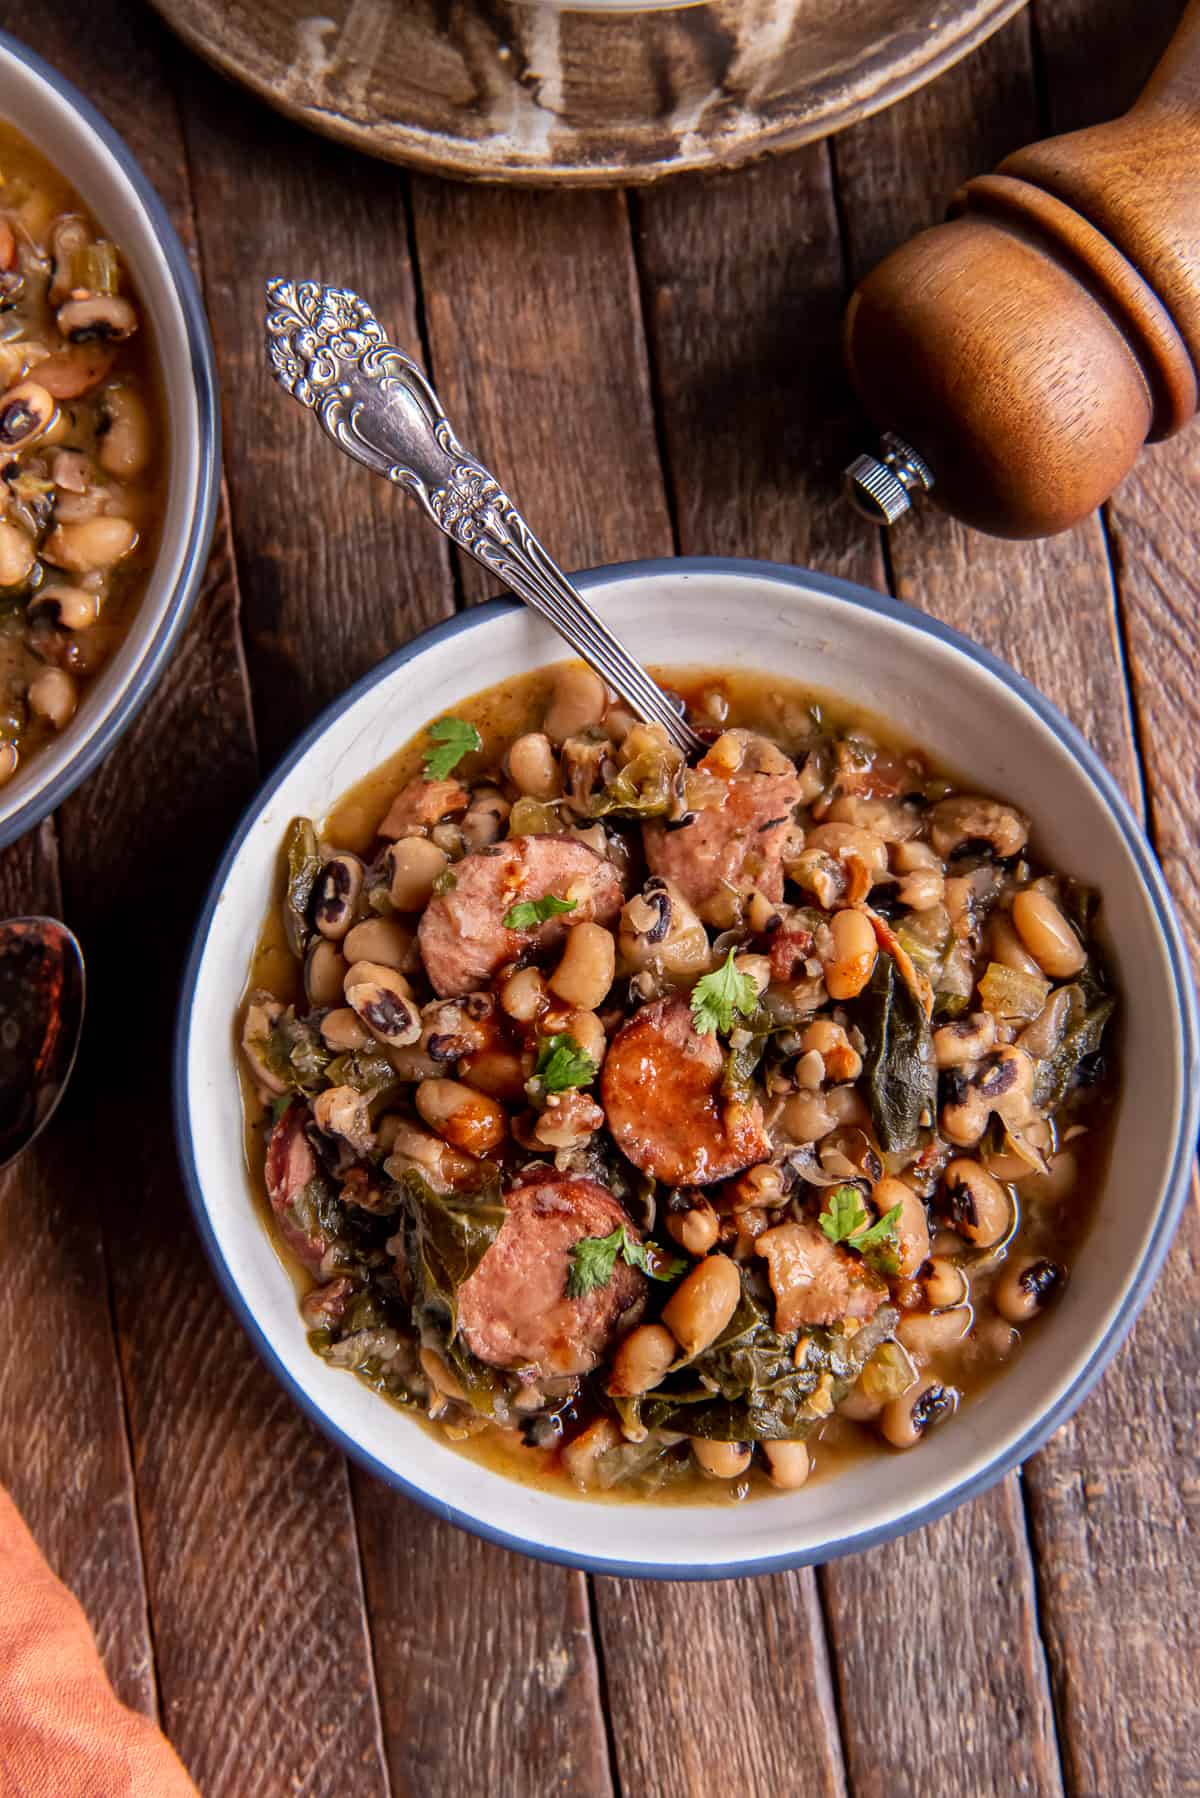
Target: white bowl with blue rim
970	712
56	118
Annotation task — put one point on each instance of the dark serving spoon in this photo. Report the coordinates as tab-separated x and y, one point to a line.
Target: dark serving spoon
41	1016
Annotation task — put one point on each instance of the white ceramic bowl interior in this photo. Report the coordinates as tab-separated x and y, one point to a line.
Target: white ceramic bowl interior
967	714
64	127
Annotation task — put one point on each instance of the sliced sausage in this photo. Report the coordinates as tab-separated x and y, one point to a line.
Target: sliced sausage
816	1281
661	1090
514	1310
291	1165
462	935
736	839
421	804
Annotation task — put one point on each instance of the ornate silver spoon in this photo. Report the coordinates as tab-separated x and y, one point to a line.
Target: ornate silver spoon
41	1015
327	350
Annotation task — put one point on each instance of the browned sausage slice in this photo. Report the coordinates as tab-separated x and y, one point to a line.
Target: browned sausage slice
290	1166
661	1090
423	803
514	1312
816	1281
737	838
462	935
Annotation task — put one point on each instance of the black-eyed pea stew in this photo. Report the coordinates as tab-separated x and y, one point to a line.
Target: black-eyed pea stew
82	452
663	1129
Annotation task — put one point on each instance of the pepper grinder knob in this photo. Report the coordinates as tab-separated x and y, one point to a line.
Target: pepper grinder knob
882	487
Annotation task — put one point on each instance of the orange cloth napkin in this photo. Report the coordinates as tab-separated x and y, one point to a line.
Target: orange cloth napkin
62	1732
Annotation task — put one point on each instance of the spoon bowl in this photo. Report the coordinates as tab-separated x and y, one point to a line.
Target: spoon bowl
41	1016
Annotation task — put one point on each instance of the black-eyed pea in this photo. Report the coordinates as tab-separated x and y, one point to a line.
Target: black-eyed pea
439	1375
533	766
53	696
788	1464
911	1236
699	1309
77	608
807	1117
336	897
926	1334
325	969
841	1059
978	1206
413	864
696	1229
587	968
852	956
577	703
905	1420
342	1030
579	1457
1026	1287
125	442
468	1120
848	1107
1007	948
1046	934
501	1073
964	1040
721	1460
641	1361
17	554
26	412
485	818
383	1000
586	1028
90	543
9	761
944	1283
757	968
383	940
523	994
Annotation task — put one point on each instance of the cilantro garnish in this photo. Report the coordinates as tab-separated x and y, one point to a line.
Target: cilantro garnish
528	912
562	1063
844	1220
594	1258
453	738
721	996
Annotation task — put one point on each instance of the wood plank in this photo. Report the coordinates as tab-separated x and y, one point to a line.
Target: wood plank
311	628
1112	1498
535	332
1109	1496
64	1452
487	1667
337	568
559	394
246	1523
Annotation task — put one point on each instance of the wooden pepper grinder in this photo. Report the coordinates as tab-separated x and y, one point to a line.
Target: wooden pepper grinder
1019	356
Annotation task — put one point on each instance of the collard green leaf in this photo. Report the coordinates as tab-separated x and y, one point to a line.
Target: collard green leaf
366	1070
642	789
1088	1014
446	1236
303	871
899	1071
297	1054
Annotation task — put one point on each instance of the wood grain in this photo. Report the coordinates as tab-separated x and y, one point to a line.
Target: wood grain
535	335
337	568
64	1452
487	1668
331	586
502	91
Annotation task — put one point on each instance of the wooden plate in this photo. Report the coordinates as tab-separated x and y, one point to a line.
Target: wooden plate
495	91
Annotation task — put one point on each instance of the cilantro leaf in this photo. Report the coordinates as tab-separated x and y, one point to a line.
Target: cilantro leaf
844	1220
453	738
562	1063
594	1258
721	996
843	1214
529	912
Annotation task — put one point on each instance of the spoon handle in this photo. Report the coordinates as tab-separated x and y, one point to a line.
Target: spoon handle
328	351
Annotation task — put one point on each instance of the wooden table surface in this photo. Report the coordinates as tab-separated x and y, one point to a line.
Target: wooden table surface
660	373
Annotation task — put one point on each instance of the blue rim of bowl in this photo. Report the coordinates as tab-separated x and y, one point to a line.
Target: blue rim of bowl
1174	1191
204	512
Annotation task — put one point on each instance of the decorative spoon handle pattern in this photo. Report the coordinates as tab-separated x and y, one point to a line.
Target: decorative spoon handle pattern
327	350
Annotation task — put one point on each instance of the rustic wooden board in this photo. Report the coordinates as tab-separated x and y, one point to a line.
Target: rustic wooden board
501	90
64	1452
